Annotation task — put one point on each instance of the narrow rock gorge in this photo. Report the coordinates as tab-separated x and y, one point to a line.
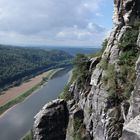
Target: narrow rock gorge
107	106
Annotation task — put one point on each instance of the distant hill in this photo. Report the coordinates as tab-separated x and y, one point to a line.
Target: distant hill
75	50
19	62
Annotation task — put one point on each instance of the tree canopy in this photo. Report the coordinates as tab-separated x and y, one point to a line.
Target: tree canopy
18	62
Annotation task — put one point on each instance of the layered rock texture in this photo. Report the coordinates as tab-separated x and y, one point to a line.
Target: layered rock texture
51	122
107	107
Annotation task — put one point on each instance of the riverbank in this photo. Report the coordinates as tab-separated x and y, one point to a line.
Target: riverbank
28	136
17	94
18	120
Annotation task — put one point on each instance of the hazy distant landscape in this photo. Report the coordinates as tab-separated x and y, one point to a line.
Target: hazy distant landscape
70	70
22	62
24	70
75	50
19	62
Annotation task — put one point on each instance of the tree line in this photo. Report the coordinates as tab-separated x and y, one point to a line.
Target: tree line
19	62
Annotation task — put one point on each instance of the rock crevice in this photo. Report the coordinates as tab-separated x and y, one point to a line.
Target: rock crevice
92	113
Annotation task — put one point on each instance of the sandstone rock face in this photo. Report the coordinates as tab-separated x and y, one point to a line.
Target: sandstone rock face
101	118
51	122
132	130
136	93
126	11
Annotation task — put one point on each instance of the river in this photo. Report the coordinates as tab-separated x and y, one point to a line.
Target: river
19	119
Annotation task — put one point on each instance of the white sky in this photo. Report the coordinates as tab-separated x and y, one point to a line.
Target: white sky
55	22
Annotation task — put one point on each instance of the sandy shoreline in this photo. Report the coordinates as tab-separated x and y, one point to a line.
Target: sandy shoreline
13	92
1	115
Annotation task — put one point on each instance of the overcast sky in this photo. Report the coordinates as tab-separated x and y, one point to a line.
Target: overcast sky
55	22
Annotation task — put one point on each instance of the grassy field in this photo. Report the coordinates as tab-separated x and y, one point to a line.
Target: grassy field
23	96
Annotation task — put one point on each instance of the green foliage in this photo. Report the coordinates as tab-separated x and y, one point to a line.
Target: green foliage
80	62
77	124
129	88
127	77
45	79
111	74
17	63
129	40
81	69
78	129
110	81
120	84
127	60
66	95
77	136
104	63
136	25
128	57
79	74
104	45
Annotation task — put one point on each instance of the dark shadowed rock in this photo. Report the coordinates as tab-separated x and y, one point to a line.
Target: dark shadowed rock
51	122
94	62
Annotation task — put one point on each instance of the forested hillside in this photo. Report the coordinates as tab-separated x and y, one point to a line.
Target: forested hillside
75	50
17	62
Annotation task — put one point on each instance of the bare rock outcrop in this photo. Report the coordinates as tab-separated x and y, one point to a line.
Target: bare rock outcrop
51	122
104	118
132	130
92	113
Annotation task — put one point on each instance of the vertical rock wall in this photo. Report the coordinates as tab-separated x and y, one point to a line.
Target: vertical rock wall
51	122
100	118
104	119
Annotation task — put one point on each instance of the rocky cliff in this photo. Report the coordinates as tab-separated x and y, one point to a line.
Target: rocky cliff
51	122
107	106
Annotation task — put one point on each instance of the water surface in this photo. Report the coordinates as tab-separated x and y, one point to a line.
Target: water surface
18	120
